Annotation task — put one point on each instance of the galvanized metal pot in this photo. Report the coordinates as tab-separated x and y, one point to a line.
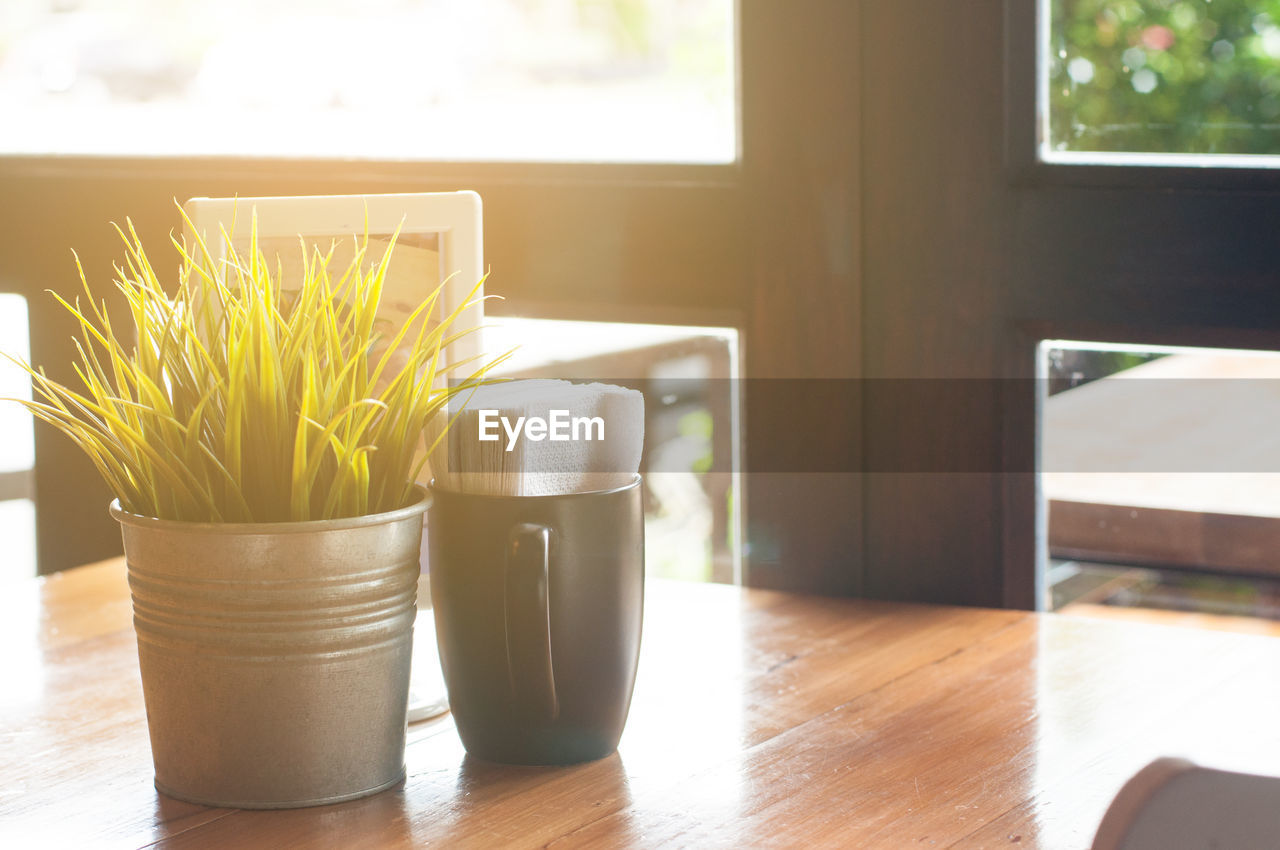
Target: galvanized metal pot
275	656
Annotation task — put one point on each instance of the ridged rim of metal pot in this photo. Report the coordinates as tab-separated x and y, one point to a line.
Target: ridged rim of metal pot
281	804
420	505
634	482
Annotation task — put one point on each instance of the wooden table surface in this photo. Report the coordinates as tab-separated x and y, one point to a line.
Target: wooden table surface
760	719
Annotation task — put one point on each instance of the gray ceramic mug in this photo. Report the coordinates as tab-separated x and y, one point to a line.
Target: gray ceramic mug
538	608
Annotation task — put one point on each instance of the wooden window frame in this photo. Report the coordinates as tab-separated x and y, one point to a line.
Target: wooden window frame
1026	532
768	244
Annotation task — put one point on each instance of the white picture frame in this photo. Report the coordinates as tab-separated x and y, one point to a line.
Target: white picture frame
452	221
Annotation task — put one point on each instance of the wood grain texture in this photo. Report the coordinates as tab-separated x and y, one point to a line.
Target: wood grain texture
760	719
933	259
1121	533
801	192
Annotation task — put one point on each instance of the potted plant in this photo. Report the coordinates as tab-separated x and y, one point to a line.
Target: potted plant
262	438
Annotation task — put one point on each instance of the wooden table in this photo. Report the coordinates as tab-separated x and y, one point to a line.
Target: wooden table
760	719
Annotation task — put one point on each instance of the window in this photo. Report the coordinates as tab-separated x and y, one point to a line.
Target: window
689	377
1162	479
652	228
558	80
17	448
1171	81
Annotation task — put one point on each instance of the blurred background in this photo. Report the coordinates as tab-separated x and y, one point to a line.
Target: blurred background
1164	76
586	80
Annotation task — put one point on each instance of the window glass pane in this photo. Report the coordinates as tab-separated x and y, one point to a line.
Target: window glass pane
1161	475
18	530
1178	77
600	80
17	446
689	379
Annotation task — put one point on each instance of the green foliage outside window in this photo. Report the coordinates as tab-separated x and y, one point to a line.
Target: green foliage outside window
1171	76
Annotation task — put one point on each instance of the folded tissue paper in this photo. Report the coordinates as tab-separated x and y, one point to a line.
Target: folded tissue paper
541	438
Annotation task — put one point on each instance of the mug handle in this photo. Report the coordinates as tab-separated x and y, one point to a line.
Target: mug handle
527	616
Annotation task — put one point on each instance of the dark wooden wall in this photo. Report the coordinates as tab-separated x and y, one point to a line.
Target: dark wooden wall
801	180
973	253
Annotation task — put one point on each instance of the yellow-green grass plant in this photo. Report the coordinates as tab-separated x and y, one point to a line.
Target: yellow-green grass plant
248	398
